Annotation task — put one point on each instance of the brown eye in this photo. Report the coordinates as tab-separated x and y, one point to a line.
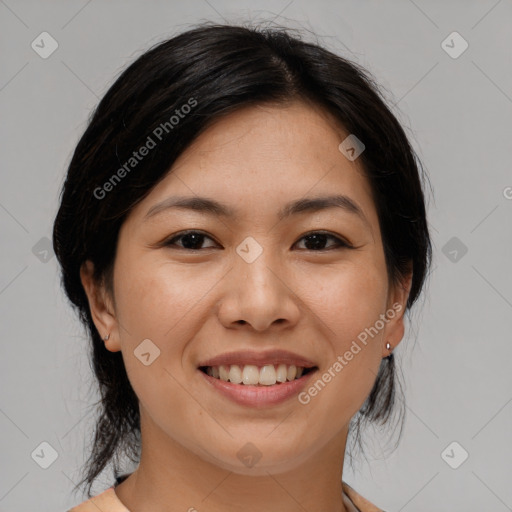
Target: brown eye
190	240
316	241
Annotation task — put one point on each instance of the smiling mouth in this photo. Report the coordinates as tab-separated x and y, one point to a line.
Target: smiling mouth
252	375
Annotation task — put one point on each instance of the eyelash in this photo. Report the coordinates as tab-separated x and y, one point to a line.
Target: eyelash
339	242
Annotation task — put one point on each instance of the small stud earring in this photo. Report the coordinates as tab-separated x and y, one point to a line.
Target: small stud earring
106	337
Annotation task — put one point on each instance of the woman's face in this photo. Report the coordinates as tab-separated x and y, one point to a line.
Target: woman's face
254	279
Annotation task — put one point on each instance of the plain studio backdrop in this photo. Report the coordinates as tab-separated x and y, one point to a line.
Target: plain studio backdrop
447	70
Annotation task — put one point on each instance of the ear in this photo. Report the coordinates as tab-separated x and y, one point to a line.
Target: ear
101	306
397	300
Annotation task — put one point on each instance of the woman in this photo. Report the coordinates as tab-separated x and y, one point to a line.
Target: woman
242	229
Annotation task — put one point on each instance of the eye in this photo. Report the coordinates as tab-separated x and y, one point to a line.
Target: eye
191	240
317	239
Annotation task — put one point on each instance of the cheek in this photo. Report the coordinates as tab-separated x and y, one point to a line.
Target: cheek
349	304
153	297
350	300
155	302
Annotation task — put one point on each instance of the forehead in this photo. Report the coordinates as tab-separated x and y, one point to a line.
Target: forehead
261	157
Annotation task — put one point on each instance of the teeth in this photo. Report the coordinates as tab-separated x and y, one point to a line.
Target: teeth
252	375
223	372
282	372
268	375
235	374
213	371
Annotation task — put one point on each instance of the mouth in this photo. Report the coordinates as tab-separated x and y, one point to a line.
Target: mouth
257	375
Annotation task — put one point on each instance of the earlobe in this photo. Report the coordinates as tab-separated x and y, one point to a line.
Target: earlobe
398	301
101	307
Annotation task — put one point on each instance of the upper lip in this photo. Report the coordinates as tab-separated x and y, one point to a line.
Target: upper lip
243	357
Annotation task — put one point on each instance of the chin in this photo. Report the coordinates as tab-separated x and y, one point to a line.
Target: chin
254	458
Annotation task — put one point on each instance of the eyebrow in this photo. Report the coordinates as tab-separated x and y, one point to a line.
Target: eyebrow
213	207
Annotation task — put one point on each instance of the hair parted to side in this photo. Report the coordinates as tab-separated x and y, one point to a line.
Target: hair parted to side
223	68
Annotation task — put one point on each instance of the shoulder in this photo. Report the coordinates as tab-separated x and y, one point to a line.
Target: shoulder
362	504
107	501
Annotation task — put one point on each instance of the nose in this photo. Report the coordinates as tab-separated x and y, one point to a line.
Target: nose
258	295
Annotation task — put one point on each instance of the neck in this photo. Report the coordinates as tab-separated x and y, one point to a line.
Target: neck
175	478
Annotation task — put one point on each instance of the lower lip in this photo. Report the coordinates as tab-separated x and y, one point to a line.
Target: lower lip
258	396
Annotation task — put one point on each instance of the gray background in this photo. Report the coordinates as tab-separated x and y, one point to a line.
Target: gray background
457	355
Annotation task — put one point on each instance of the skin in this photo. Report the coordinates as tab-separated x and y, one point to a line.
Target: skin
189	303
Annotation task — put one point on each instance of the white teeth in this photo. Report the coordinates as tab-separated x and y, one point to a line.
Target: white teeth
292	372
223	372
281	373
268	375
235	374
251	375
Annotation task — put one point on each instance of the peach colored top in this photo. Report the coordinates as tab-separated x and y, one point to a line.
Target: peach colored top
108	501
